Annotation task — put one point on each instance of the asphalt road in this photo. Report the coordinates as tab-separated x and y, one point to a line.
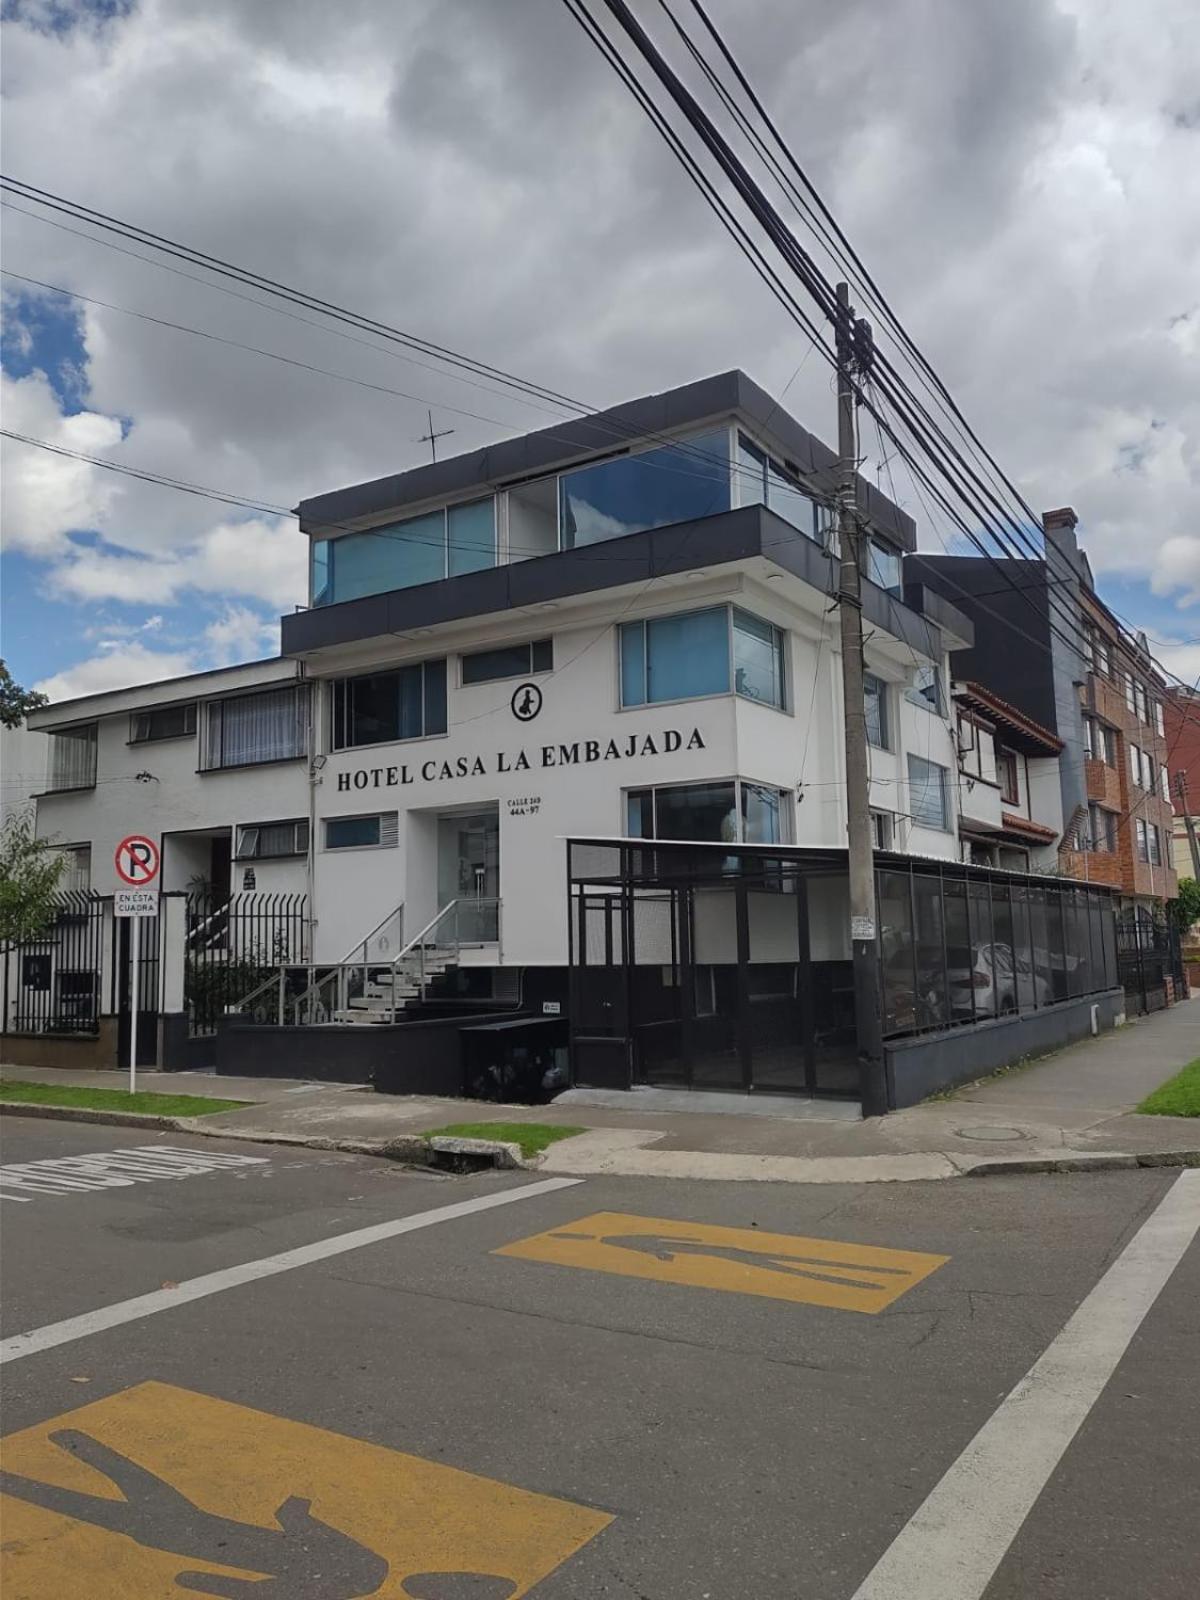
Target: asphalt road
683	1423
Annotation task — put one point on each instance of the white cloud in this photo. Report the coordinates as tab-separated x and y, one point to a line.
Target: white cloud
1010	170
117	669
1177	570
45	497
262	560
240	635
1181	657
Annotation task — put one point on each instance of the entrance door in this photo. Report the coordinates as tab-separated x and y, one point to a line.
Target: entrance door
469	871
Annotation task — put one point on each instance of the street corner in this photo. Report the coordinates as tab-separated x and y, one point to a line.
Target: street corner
157	1490
825	1272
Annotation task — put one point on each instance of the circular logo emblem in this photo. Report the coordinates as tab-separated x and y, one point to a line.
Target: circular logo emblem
526	702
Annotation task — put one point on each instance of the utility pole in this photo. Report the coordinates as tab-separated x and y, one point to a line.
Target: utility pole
1189	822
853	341
431	438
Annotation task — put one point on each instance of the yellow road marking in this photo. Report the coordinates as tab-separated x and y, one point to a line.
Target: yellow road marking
156	1482
823	1272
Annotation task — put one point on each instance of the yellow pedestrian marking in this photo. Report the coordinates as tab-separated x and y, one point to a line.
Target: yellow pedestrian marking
157	1492
822	1272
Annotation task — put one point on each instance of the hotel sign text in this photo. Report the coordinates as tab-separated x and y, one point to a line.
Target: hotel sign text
581	752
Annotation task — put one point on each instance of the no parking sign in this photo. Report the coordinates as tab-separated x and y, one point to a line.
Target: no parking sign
136	859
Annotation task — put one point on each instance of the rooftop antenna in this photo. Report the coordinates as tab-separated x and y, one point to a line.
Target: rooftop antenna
431	438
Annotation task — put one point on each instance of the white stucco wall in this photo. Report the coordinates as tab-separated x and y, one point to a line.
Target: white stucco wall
564	773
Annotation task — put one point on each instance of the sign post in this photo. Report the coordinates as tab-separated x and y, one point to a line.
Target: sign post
137	862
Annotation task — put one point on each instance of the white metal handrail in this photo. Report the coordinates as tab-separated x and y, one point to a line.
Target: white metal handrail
362	944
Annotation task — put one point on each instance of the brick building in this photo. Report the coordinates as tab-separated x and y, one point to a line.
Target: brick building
1182	713
1049	646
1125	838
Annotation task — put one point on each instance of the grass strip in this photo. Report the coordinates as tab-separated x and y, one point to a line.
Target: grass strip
533	1137
14	1092
1178	1097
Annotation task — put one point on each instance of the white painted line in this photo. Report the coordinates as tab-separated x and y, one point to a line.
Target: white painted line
146	1305
952	1546
115	1169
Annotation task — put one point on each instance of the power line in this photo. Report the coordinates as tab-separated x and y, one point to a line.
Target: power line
981	498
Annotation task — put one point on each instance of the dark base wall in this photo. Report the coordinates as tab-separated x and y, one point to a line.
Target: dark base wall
407	1058
179	1053
917	1068
80	1052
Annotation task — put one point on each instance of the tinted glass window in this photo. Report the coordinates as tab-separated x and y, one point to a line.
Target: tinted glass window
471	537
380	707
651	490
675	658
344	833
927	793
757	659
509	661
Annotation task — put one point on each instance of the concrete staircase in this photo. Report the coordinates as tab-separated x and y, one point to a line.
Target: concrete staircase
388	990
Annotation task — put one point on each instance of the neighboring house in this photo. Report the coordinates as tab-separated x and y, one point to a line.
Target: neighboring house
23	760
1050	648
1010	804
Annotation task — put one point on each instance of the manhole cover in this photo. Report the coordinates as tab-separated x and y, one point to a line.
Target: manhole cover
1000	1135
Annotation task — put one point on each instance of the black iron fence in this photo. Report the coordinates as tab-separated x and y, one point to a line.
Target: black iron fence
1148	960
233	945
52	983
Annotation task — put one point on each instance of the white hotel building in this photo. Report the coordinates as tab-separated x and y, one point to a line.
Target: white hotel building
622	626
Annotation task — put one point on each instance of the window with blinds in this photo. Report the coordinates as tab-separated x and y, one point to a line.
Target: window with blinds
252	728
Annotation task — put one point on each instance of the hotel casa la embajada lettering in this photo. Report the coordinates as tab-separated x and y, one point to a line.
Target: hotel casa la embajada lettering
581	752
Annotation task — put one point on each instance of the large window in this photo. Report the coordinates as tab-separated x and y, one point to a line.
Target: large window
72	759
440	544
875	701
1135	765
650	489
164	722
763	481
694	653
926	690
734	811
758	660
1102	829
928	802
508	661
272	726
1099	654
383	707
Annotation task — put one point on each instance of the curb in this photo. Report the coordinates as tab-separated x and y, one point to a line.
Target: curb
447	1154
443	1153
120	1119
1114	1161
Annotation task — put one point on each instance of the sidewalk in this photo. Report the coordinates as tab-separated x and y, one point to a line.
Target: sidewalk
1074	1106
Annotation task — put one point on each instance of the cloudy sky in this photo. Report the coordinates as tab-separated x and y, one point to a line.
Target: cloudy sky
1020	176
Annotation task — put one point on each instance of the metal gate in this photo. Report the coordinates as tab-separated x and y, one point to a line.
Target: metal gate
52	984
1144	962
